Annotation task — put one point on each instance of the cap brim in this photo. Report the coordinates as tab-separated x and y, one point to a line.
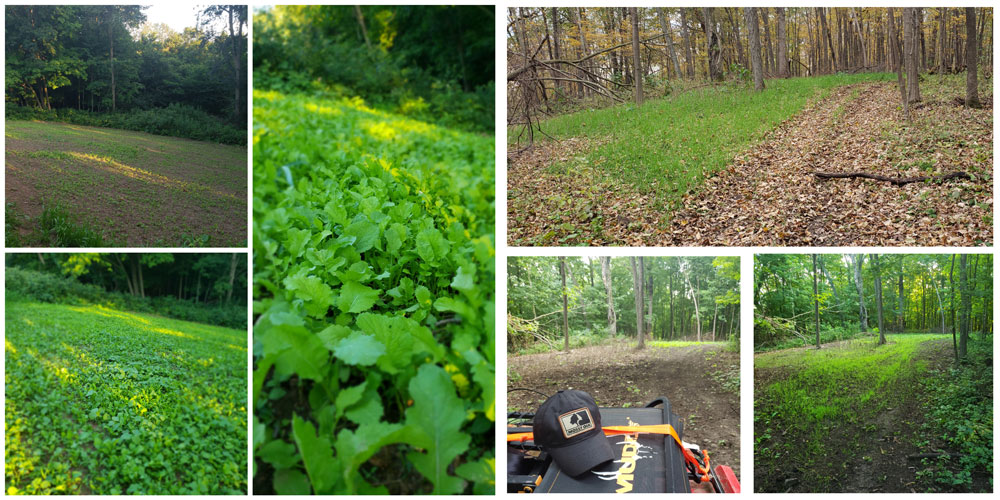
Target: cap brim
580	457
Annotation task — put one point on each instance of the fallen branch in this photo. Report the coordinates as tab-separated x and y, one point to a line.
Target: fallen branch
899	181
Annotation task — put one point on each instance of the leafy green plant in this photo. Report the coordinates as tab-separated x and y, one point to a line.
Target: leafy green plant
374	271
105	401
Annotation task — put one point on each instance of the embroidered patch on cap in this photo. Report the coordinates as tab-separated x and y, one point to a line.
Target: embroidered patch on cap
576	422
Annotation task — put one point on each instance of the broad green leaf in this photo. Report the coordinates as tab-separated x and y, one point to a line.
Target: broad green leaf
317	455
356	298
483	375
465	279
359	349
357	446
349	396
431	245
317	294
368	410
290	482
482	473
366	234
332	335
394	333
295	350
435	419
279	454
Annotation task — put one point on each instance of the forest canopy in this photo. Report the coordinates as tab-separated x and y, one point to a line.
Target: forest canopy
431	62
111	59
683	298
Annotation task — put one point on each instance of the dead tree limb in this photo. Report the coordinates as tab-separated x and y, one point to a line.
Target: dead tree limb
899	181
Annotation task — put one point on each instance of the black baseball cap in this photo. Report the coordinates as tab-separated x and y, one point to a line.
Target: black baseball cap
568	427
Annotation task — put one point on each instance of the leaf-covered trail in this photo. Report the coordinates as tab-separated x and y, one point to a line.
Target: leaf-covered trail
768	196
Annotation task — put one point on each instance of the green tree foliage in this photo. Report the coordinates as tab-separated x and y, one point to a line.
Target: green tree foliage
108	58
534	300
783	296
207	288
432	62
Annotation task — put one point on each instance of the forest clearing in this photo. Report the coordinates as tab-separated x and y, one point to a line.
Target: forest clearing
696	377
104	400
899	400
373	251
85	87
73	185
807	145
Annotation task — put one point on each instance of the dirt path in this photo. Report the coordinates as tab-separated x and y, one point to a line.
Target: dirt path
768	196
879	463
617	375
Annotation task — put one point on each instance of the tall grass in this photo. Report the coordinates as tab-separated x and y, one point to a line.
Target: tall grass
669	145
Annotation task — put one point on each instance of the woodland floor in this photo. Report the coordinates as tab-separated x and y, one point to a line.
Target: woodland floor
768	195
618	375
864	450
135	189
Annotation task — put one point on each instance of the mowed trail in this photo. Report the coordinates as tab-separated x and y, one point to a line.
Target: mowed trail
770	197
618	375
137	189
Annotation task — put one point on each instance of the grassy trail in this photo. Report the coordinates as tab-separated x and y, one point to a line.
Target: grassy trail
71	185
726	166
842	418
101	401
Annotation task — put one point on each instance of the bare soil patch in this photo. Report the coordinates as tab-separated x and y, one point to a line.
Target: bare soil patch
137	189
617	375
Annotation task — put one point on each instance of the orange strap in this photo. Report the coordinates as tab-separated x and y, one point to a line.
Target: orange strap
665	429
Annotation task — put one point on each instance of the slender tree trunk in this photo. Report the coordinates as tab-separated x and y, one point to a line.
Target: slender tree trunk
816	301
232	278
565	315
910	60
712	44
670	331
829	38
686	36
878	299
755	61
637	282
361	23
649	301
715	316
971	60
862	311
606	278
636	61
665	26
897	57
782	44
966	307
951	286
111	44
902	304
556	35
942	37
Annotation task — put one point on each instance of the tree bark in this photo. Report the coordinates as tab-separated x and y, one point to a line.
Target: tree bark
910	60
755	60
636	61
782	44
361	23
829	38
859	284
665	26
686	36
971	60
816	300
964	313
232	278
878	299
637	281
565	315
902	304
712	44
606	278
942	38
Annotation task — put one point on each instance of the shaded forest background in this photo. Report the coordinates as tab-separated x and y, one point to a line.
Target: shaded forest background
857	294
432	63
681	298
561	59
107	65
206	288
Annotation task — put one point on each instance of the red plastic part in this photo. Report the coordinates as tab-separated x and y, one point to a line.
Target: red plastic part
727	478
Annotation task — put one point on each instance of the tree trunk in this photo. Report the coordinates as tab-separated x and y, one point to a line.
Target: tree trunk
782	44
715	316
942	38
697	311
964	313
670	331
971	60
902	303
686	36
555	39
638	286
565	314
232	278
636	61
862	312
878	299
649	302
361	23
910	60
712	44
755	61
896	55
606	278
951	283
665	26
816	300
111	43
829	38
